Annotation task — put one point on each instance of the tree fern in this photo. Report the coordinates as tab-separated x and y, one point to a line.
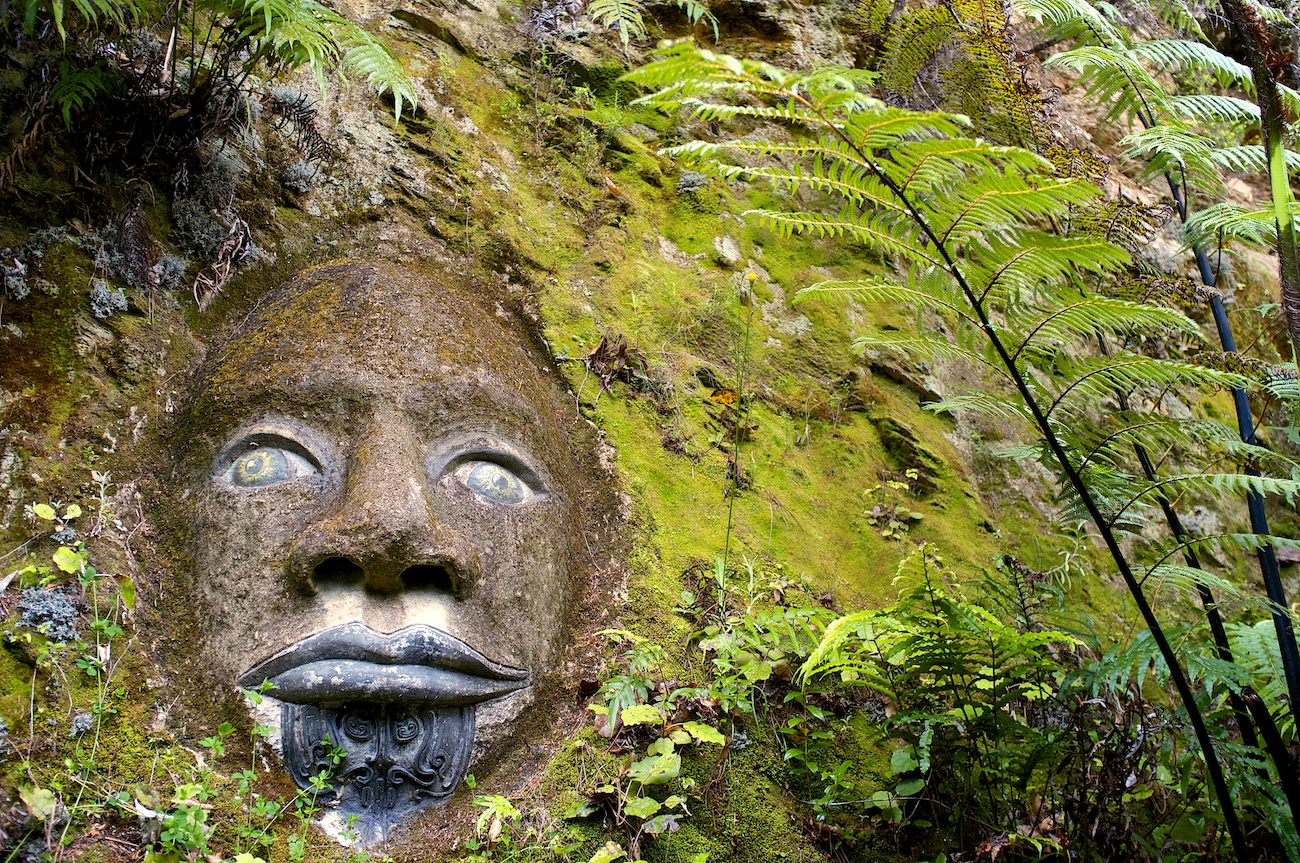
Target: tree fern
970	238
1146	101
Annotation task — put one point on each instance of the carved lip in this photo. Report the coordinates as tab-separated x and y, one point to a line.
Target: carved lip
352	662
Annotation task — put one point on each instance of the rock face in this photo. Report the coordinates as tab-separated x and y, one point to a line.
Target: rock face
383	512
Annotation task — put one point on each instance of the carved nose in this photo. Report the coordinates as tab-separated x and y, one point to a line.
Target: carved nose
384	537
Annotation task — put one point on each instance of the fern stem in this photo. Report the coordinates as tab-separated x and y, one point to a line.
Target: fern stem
1176	674
1267	557
741	416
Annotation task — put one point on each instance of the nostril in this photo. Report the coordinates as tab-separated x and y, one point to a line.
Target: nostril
426	576
337	570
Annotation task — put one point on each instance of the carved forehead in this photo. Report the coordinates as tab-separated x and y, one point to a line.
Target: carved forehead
391	320
339	335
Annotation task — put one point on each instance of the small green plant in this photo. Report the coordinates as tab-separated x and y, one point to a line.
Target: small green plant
630	798
888	514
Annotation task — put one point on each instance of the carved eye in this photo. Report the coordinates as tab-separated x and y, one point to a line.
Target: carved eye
267	465
496	483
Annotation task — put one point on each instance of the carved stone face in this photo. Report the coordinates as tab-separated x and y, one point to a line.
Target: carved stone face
385	527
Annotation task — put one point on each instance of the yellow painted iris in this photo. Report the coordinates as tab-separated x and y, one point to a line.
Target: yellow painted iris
496	483
262	466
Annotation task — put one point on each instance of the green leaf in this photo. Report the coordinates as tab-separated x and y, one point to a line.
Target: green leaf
67	560
642	714
126	589
656	770
666	823
582	809
641	807
662	746
903	760
626	15
608	854
705	733
72	511
44	510
40	802
908	787
680	737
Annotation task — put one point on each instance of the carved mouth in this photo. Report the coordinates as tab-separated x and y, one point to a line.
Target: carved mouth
352	662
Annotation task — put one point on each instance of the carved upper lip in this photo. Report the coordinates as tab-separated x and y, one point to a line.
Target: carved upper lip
352	662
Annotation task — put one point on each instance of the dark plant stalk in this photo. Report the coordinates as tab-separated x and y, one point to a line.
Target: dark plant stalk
1264	62
1268	565
1176	674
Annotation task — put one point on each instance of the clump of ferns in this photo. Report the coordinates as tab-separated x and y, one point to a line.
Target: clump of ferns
964	220
166	82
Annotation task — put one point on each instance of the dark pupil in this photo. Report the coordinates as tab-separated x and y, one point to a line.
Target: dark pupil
256	464
502	483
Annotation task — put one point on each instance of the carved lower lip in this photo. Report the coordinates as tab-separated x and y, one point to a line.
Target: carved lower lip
353	662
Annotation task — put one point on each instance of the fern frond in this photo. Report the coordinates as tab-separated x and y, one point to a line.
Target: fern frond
1271	14
891	127
695	13
849	179
1290	99
1022	262
986	404
1255	649
1112	442
1007	200
366	57
1228	110
1180	17
869	228
1094	379
1168	148
1086	317
1209	227
627	16
1186	580
1115	78
1238	484
1182	55
1250	159
76	89
1071	20
923	347
878	290
913	42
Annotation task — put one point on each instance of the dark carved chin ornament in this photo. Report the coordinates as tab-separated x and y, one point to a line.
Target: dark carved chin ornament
380	725
396	758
